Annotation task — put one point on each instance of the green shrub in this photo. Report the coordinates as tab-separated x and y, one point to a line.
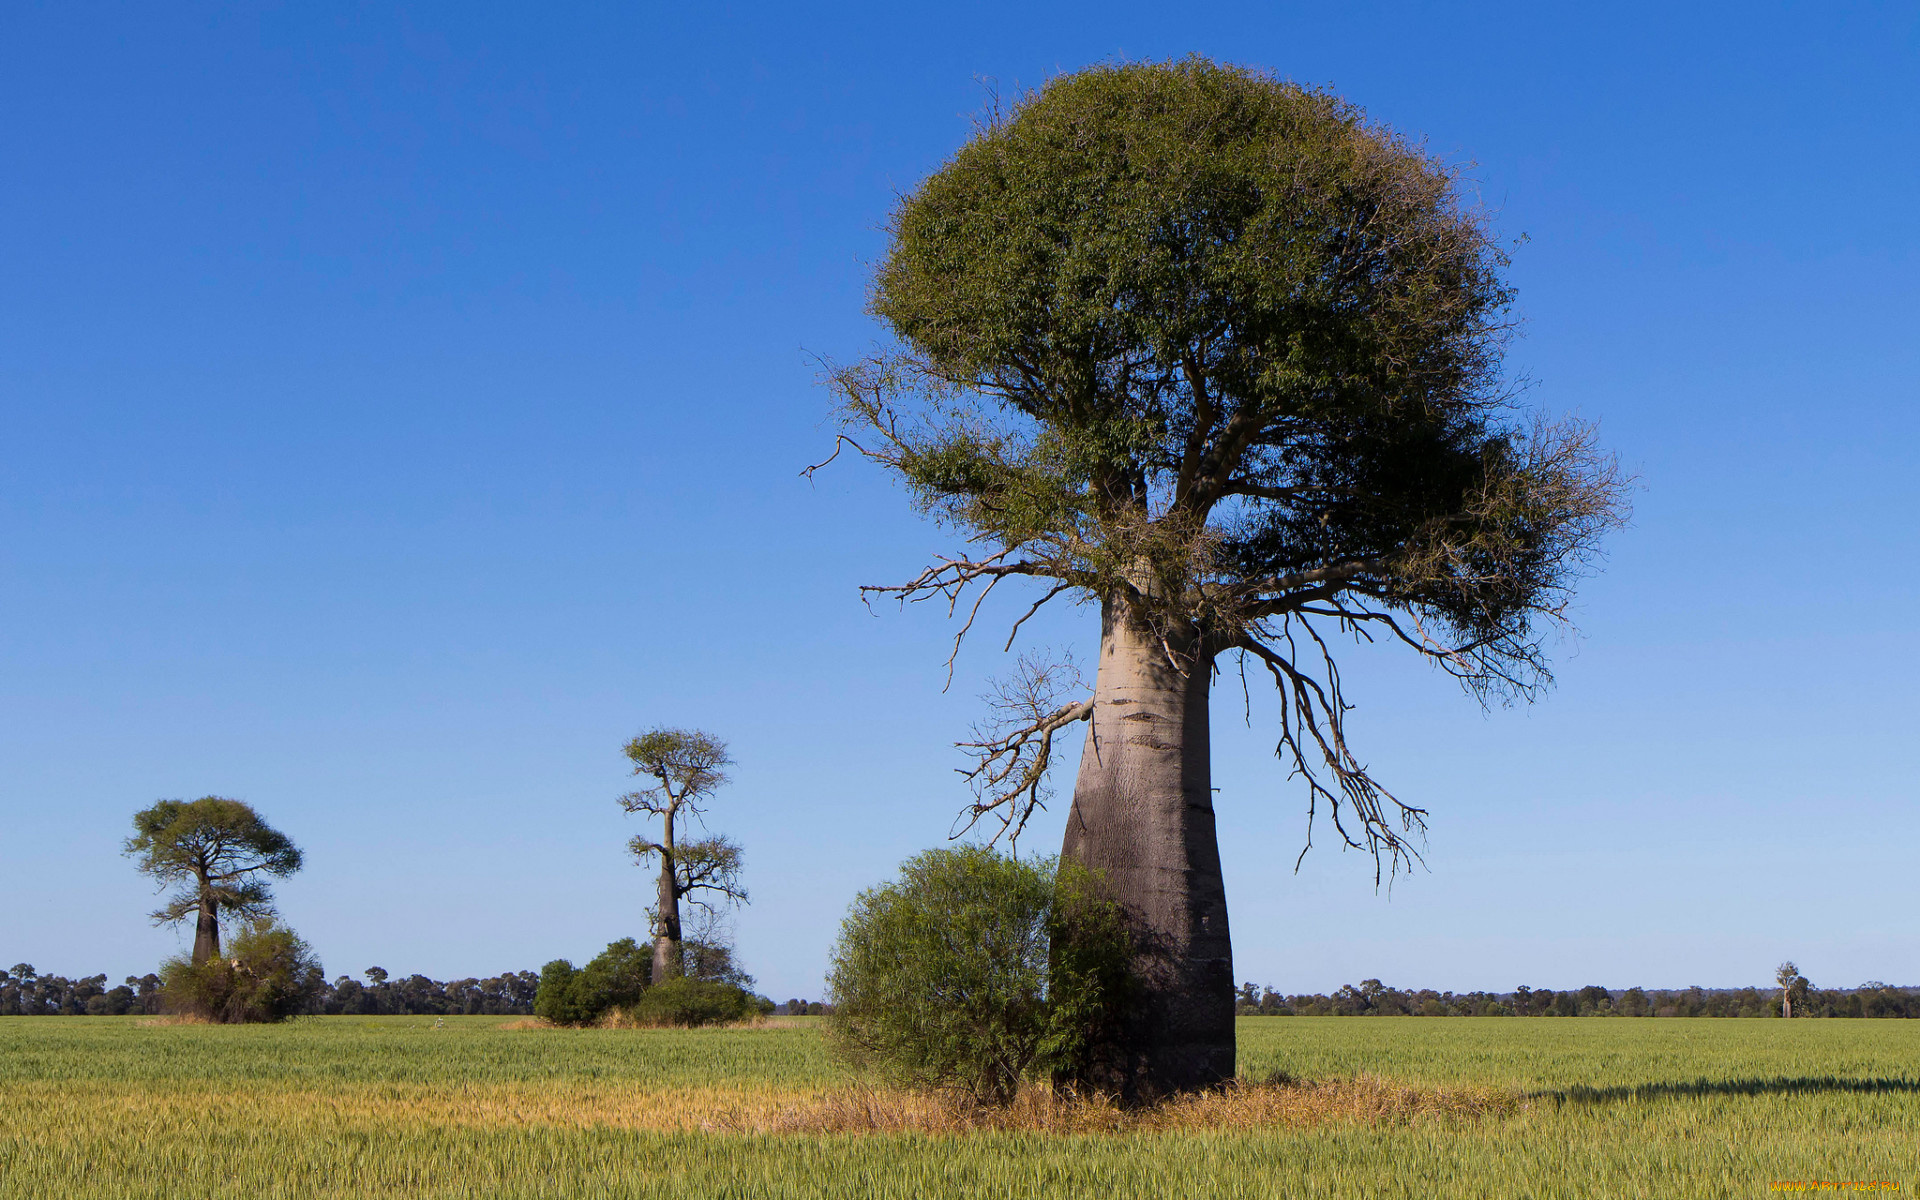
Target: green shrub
617	975
975	970
713	992
616	978
266	974
687	1002
1089	976
555	1000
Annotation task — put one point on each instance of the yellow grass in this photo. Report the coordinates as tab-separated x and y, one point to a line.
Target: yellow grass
106	1109
744	1110
1244	1108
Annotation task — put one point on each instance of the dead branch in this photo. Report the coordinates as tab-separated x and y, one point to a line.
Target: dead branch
1013	749
840	441
949	579
1313	714
1037	606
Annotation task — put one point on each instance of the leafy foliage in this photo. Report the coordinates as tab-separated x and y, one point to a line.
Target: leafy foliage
1089	985
1372	998
703	869
942	978
682	762
267	974
1215	351
686	1002
709	956
25	992
615	977
618	978
558	1000
215	850
511	992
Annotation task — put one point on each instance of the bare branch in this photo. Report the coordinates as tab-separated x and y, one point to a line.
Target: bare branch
839	441
1313	714
949	579
1293	580
1013	748
1216	467
1037	606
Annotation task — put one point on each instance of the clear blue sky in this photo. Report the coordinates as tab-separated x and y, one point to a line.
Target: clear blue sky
403	406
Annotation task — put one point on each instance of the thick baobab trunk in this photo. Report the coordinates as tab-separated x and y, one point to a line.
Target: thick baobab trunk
1143	816
666	938
206	932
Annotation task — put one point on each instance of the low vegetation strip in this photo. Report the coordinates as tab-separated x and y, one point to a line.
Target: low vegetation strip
1286	1104
141	1109
394	1107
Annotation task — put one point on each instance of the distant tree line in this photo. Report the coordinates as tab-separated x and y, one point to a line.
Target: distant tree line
1371	998
26	993
802	1008
507	994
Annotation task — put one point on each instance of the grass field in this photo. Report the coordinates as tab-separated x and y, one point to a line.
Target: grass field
110	1107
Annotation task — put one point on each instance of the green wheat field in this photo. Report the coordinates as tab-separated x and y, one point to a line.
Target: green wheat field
487	1107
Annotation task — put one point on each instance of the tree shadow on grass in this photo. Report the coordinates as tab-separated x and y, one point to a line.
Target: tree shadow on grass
1777	1086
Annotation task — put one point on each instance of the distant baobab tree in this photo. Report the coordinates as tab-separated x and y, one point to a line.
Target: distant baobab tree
217	851
686	768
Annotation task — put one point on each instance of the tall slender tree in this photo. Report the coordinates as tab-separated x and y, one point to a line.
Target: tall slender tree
1215	353
1785	976
686	767
216	853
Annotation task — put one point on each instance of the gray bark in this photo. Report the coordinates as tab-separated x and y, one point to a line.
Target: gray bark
666	940
206	932
1143	816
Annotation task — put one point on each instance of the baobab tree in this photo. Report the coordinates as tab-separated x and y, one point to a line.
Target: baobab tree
1785	976
217	851
686	768
1215	353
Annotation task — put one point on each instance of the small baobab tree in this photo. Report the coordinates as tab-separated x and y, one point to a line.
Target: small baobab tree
216	852
685	766
1786	976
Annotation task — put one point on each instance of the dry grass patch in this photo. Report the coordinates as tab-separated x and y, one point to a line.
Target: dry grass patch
1244	1107
38	1107
735	1110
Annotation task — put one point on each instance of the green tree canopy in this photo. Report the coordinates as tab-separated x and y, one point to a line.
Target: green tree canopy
215	853
1217	353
